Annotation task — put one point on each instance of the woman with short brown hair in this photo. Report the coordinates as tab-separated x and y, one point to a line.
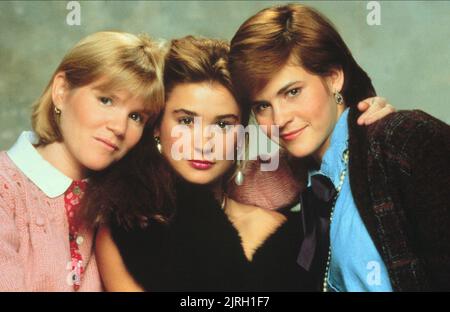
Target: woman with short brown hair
390	222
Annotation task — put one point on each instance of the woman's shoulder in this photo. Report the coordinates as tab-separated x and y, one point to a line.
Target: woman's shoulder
11	178
13	185
404	140
7	167
398	128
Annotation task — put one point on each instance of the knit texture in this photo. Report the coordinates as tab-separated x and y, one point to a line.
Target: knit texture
34	244
400	176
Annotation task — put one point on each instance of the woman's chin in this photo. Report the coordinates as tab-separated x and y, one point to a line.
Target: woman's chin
199	179
298	152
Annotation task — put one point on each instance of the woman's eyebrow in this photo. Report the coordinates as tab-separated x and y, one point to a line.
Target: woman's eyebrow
185	111
259	102
107	92
191	113
281	91
287	86
228	116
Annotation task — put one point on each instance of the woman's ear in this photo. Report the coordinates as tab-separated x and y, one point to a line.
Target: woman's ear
59	90
336	80
156	131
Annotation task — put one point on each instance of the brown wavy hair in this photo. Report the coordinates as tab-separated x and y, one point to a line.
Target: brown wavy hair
142	185
266	42
196	59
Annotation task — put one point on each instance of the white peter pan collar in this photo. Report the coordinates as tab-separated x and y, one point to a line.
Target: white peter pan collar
24	155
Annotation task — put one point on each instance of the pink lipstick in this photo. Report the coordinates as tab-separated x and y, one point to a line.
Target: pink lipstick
201	164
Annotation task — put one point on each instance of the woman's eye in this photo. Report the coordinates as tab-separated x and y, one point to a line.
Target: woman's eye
185	121
293	92
136	117
261	107
105	100
223	124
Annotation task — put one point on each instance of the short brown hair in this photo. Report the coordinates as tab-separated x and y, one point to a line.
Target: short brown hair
267	40
127	61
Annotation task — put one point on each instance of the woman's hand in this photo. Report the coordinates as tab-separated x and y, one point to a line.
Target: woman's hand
374	109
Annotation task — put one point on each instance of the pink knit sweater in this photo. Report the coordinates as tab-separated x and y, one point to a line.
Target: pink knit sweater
34	244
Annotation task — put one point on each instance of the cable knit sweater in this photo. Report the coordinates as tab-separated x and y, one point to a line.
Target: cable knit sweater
34	244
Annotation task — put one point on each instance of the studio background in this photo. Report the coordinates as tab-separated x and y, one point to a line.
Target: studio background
407	56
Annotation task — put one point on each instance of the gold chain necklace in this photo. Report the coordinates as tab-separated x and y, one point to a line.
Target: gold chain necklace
338	191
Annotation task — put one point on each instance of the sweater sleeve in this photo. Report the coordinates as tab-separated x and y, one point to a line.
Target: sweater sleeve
419	154
12	275
430	167
267	189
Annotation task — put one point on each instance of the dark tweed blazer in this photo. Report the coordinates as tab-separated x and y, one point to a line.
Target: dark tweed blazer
400	179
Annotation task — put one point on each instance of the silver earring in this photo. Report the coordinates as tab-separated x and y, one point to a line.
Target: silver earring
224	201
57	110
338	98
158	144
239	178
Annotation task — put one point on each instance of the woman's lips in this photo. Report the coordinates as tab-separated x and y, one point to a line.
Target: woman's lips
292	135
106	143
201	164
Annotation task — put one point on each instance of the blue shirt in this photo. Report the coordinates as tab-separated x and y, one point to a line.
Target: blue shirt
355	263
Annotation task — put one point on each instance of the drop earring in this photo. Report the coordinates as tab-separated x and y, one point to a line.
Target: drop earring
158	144
338	98
239	178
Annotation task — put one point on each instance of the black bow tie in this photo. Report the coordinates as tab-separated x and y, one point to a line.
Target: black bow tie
316	205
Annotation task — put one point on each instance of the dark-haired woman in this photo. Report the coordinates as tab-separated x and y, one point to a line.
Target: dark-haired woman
210	241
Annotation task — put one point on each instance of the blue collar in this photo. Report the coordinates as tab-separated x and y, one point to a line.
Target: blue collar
24	155
333	160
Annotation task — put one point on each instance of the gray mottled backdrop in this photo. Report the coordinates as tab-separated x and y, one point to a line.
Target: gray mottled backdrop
407	56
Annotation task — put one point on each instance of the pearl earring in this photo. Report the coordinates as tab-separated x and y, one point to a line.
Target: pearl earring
239	178
158	144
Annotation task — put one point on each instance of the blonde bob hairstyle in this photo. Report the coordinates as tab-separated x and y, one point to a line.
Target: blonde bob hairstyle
128	62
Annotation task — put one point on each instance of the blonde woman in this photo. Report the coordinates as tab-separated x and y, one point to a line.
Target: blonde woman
92	112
